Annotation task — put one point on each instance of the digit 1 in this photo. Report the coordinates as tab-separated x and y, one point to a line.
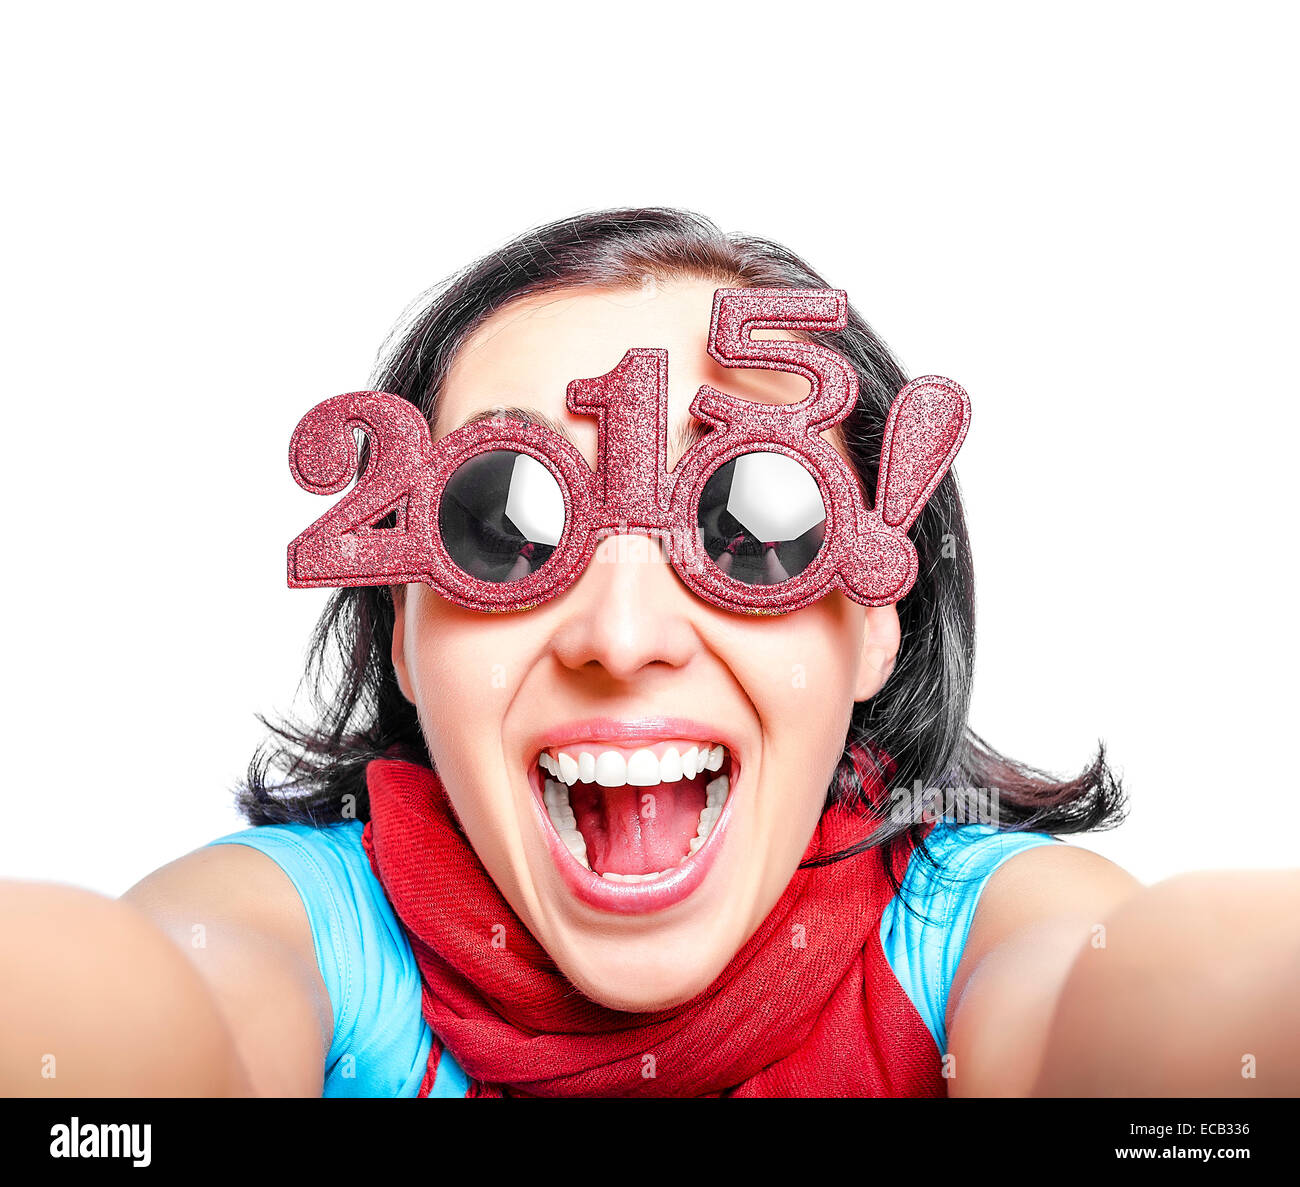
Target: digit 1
630	404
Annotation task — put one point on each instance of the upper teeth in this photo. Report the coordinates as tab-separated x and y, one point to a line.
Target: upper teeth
643	769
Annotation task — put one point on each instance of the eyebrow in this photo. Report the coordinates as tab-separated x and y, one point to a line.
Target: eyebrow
530	416
685	435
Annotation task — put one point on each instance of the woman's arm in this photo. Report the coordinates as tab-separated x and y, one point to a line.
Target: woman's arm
1197	993
96	1001
1077	981
199	981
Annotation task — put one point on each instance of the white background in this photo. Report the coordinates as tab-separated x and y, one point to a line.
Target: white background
1085	214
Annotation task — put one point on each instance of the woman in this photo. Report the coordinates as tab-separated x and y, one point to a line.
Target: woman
835	941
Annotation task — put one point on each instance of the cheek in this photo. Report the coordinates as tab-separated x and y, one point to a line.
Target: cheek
464	670
799	673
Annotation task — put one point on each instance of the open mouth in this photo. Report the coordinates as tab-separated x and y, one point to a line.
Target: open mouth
635	815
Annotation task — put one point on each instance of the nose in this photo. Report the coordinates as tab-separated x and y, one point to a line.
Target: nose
627	612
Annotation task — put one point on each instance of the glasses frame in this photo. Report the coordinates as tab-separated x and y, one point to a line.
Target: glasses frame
866	553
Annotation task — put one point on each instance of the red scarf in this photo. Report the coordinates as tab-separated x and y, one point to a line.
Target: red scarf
808	1007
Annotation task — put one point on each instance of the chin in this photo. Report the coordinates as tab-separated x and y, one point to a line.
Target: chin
644	982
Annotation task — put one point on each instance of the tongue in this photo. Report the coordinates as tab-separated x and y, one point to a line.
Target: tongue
637	830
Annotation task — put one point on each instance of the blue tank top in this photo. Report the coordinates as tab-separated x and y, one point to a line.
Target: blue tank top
381	1041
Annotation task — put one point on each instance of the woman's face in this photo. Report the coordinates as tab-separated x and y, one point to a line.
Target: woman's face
592	722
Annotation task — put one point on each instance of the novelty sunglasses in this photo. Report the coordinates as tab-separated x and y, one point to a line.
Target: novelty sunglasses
761	515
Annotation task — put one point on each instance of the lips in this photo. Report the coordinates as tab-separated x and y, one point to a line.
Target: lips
634	820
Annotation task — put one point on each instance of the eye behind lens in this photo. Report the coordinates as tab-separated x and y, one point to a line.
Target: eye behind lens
501	516
762	519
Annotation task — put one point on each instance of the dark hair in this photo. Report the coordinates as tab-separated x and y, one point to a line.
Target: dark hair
313	772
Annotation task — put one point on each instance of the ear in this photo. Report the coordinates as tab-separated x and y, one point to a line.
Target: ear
880	640
399	641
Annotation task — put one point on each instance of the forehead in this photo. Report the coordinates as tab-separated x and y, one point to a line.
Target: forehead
526	354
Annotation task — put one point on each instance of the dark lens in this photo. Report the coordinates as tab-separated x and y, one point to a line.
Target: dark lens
762	518
501	516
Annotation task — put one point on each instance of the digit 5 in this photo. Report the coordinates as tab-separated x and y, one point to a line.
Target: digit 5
832	381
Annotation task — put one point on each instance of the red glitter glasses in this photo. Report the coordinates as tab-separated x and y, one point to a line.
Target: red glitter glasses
761	515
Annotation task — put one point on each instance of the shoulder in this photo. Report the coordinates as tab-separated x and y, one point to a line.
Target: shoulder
1035	916
378	1043
327	867
924	928
1059	881
957	856
240	923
